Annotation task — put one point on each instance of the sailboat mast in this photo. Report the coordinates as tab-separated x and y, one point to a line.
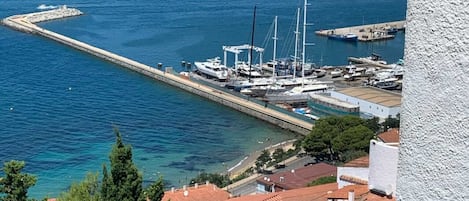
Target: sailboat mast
252	43
297	38
275	45
304	44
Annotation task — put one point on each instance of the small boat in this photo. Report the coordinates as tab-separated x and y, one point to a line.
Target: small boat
260	91
350	37
246	71
307	89
319	73
337	72
212	68
389	83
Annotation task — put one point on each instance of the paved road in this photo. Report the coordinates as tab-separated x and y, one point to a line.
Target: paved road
249	187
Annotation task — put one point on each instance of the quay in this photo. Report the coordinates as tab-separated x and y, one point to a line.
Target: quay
26	22
369	32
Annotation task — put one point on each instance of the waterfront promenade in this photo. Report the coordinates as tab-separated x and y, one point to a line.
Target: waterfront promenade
25	24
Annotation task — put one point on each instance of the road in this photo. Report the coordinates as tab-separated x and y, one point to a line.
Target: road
249	186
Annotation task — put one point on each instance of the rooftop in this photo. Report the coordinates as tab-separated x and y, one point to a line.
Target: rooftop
197	193
374	95
300	177
359	162
314	193
390	136
333	101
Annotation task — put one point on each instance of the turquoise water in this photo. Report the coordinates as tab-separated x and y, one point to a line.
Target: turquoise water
58	106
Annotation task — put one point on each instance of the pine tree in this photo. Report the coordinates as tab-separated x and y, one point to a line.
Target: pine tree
155	191
15	184
125	183
86	190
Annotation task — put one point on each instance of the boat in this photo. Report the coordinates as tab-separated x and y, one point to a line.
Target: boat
389	83
260	91
243	69
337	72
307	89
319	73
212	68
350	37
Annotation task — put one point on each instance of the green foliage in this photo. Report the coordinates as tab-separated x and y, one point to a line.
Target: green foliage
155	191
391	123
323	180
86	190
373	124
14	186
125	182
263	159
334	135
243	175
220	180
351	155
278	155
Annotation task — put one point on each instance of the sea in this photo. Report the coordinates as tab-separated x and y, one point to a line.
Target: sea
59	106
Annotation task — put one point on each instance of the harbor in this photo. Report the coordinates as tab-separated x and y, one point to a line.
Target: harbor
281	119
364	33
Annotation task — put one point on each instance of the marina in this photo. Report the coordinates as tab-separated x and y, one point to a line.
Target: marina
20	22
364	33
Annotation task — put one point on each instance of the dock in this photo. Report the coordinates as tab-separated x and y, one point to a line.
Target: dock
369	32
25	23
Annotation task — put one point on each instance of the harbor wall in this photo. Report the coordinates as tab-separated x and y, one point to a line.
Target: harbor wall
280	119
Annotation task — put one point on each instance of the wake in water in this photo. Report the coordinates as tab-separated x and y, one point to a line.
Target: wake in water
46	7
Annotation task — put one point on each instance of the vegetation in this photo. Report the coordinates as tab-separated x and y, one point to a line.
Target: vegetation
262	160
332	136
14	185
323	180
220	180
122	182
88	190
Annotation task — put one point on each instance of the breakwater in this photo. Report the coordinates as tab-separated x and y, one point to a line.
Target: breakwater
23	23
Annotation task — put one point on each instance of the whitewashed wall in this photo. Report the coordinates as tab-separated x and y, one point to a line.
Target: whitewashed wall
358	172
383	167
368	107
434	151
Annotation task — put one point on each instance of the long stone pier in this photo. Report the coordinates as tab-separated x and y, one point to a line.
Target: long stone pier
26	22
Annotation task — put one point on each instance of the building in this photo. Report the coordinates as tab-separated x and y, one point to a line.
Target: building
383	168
374	101
356	192
294	179
326	106
390	136
197	193
353	172
314	193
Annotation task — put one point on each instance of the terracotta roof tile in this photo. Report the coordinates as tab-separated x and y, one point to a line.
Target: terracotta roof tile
201	193
359	162
374	197
360	192
353	179
390	136
314	193
300	177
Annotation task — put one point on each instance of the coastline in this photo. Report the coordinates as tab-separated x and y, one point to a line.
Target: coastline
249	160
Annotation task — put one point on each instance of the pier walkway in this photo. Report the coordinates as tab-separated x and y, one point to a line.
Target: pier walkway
23	23
368	32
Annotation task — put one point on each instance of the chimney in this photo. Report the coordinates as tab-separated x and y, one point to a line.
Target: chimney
196	185
172	189
207	182
351	195
282	179
186	193
184	187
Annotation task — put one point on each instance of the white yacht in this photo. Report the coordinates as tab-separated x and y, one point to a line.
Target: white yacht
213	68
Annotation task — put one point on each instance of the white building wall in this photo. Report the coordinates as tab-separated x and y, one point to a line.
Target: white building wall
383	167
434	151
358	172
368	107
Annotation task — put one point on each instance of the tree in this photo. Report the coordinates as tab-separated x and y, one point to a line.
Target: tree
331	135
125	182
155	191
391	122
87	190
278	155
263	159
15	184
220	180
323	180
373	124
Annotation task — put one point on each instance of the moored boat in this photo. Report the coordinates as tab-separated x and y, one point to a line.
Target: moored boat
212	68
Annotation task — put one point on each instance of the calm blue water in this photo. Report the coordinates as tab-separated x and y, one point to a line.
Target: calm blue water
58	105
